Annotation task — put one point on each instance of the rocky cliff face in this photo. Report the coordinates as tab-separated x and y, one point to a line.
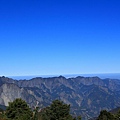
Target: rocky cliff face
86	95
10	91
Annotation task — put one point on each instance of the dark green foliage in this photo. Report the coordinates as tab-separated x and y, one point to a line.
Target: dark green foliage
2	115
59	109
117	116
56	111
18	110
104	115
1	110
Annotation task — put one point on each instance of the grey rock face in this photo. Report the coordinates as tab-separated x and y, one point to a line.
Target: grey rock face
10	91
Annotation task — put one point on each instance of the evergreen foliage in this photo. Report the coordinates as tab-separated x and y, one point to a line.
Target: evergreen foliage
56	111
18	110
104	115
117	116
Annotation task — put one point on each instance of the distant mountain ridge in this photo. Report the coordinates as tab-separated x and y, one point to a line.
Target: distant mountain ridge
100	75
86	95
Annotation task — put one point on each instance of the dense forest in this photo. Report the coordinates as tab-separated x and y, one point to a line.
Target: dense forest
19	110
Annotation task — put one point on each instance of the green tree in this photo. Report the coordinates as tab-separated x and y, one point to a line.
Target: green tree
104	115
56	111
18	110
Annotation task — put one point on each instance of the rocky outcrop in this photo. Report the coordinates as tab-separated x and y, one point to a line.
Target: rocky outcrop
10	91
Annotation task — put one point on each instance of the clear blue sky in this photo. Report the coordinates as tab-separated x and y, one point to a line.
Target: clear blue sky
48	37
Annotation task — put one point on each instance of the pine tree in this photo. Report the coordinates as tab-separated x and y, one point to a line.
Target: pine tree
18	110
56	111
104	115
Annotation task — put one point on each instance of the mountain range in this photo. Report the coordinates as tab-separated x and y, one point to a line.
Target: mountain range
86	95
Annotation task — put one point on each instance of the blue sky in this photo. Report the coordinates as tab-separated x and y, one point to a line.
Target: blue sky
49	37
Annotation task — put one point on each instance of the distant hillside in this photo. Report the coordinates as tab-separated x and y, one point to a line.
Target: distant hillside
86	95
116	110
102	76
